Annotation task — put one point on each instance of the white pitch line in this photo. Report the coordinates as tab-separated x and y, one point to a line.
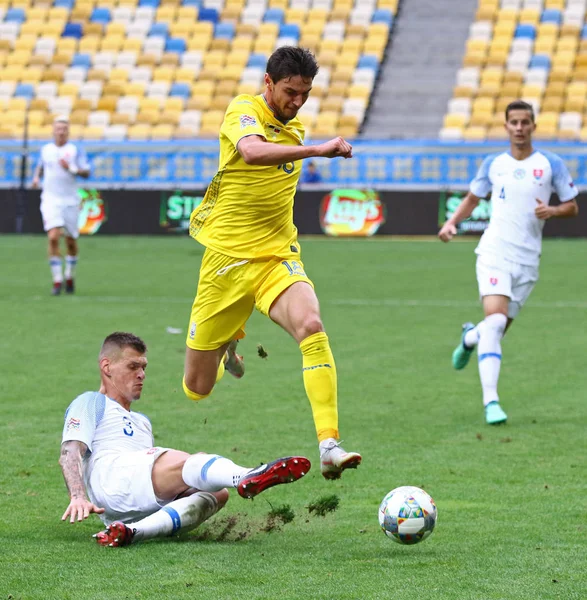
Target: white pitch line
388	302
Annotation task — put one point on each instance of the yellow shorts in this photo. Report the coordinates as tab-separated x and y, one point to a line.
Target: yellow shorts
228	290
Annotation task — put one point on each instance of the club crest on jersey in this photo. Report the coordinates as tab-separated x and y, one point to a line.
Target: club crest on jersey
493	280
73	424
520	173
538	173
247	121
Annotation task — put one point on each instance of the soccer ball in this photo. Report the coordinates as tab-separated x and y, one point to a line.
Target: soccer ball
407	515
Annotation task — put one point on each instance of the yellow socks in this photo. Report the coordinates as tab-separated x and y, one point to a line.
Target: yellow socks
197	397
320	383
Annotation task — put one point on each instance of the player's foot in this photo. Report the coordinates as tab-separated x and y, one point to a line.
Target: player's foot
494	414
56	289
234	364
115	535
69	286
334	460
462	353
282	470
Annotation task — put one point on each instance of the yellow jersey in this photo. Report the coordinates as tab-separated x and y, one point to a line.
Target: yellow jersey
247	211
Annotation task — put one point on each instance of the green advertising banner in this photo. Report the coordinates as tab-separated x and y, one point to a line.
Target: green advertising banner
476	223
176	208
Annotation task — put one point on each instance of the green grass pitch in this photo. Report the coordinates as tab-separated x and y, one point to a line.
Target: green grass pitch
512	500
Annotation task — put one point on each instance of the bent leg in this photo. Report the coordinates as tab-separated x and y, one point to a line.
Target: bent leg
202	370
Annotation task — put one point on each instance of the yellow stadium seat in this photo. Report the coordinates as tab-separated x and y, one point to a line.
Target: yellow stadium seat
552	104
68	89
107	103
187	13
18	58
118	74
455	120
230	13
504	28
37	13
149	117
66	45
199	103
182	29
278	4
166	13
54	73
83	104
246	88
39	60
545	133
512	88
79	117
115	30
169	59
112	43
476	59
165	73
497	132
139	132
80	14
264	45
96	75
481	119
295	16
226	87
577	88
488	90
39	104
549	29
173	104
475	133
237	59
132	45
184	75
532	91
149	104
170	117
529	16
203	28
25	42
501	105
358	91
242	44
570	29
89	45
547	119
32	28
220	103
162	132
199	42
32	75
121	119
146	60
574	104
583	134
114	88
560	4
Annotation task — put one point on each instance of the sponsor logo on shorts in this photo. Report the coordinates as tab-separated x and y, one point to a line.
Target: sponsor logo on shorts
247	121
73	424
493	280
538	173
152	450
519	174
192	330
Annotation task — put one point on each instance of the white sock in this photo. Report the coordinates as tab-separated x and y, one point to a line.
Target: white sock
70	263
211	473
471	338
56	269
491	330
185	514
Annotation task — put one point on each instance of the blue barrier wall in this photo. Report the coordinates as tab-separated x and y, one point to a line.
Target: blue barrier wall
415	165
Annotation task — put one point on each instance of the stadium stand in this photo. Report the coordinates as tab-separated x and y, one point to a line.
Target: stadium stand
164	69
535	50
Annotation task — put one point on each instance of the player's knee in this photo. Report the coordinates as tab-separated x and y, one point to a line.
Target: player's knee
310	326
222	498
196	392
495	323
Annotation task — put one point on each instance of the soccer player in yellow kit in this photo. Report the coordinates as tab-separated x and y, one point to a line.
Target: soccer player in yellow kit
252	256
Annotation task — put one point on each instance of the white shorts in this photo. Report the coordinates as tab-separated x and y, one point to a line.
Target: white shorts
122	485
498	276
55	215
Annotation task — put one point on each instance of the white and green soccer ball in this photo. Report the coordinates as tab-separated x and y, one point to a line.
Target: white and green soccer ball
407	515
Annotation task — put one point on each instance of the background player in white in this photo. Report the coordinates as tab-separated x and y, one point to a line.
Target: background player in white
141	491
521	182
60	163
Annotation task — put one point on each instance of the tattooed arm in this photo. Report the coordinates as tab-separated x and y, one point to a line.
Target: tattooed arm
71	461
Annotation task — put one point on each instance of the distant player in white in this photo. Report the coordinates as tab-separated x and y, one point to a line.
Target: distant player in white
521	182
60	163
141	490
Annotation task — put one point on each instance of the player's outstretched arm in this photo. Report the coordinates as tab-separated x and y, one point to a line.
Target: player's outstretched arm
466	207
257	151
70	461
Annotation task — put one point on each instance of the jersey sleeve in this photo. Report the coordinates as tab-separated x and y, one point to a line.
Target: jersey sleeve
562	182
81	160
82	417
242	119
481	185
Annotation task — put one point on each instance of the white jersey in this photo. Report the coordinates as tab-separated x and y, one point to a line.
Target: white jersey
106	428
514	231
59	185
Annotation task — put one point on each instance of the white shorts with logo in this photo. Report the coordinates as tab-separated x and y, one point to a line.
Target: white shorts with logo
56	215
122	485
498	276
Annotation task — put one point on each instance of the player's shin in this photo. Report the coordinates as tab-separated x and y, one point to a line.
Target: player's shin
319	373
211	472
183	514
491	331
